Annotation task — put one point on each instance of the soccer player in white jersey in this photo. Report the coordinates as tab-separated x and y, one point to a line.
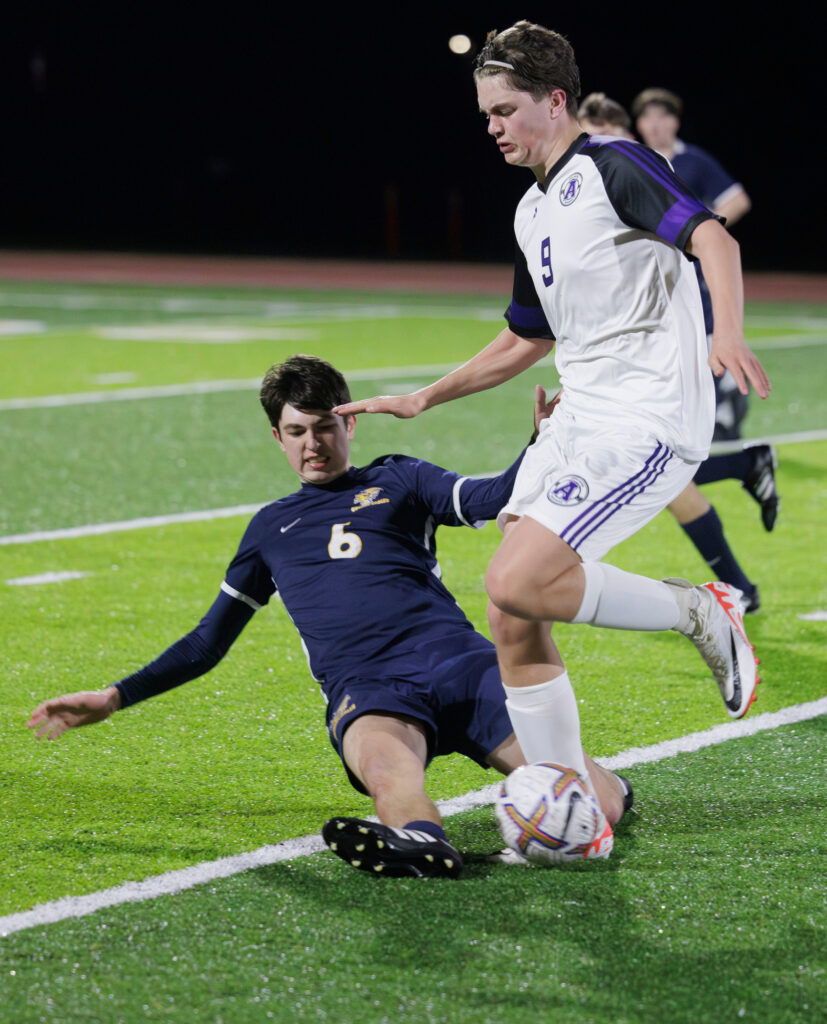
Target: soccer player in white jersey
602	271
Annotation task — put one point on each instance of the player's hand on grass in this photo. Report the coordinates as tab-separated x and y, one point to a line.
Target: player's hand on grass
732	353
402	406
53	717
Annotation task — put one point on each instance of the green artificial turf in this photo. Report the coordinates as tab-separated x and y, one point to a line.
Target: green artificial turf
711	907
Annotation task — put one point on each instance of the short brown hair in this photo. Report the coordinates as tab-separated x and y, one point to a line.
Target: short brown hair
670	100
598	108
541	60
305	382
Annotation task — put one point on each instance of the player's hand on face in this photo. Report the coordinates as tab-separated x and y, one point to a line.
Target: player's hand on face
402	406
53	717
732	353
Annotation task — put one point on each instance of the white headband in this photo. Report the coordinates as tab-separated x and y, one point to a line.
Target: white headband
498	64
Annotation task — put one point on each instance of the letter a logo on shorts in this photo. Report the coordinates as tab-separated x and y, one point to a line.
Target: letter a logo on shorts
568	490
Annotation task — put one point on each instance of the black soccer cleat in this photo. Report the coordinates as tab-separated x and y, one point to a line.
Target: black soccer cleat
628	792
395	852
760	483
750	601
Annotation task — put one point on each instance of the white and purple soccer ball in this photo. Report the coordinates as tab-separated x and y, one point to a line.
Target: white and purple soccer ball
547	813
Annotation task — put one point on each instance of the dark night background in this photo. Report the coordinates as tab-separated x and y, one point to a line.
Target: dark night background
260	129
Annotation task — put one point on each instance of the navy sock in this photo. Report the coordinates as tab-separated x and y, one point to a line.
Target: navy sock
727	466
707	534
427	826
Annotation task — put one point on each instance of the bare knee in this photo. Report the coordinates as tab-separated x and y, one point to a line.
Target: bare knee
505	591
505	629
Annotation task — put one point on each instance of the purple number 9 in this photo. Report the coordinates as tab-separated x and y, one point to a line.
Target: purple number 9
545	256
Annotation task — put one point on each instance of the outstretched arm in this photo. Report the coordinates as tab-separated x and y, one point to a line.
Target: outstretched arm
720	258
506	356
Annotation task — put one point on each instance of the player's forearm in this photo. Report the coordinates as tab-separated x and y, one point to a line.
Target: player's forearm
720	258
505	357
734	208
190	657
482	499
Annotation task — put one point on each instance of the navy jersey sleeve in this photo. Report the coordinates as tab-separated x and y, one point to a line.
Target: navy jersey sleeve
645	192
704	175
248	578
454	500
525	315
192	655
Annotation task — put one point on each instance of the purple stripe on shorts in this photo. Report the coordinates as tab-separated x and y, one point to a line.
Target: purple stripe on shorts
599	512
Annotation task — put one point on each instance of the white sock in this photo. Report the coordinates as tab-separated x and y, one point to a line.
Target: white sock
546	722
622	600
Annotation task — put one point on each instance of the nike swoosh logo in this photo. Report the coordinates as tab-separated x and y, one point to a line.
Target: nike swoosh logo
289	526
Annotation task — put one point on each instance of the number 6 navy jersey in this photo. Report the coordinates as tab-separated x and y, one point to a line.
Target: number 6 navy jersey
600	267
354	562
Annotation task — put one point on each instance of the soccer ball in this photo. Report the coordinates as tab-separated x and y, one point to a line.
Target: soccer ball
547	814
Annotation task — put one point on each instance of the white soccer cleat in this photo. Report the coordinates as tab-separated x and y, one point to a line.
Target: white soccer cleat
716	628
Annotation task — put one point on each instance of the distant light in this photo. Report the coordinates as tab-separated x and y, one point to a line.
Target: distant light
459	44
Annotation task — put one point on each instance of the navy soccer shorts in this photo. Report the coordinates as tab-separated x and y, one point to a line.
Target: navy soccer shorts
453	688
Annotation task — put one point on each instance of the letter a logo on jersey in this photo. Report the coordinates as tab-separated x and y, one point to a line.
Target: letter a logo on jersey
570	189
568	490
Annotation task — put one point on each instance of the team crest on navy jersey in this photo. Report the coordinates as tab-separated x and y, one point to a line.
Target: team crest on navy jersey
568	490
368	497
570	189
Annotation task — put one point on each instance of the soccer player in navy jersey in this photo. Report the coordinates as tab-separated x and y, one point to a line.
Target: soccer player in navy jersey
404	674
600	115
601	272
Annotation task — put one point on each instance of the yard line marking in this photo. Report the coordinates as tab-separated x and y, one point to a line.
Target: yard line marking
17	327
198	334
204	387
96	529
187	878
800	437
46	577
192	303
781	341
205	515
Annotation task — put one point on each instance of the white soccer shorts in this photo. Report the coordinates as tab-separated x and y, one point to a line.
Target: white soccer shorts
595	486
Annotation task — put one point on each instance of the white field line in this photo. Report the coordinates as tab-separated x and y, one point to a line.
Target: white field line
187	878
205	387
485	308
46	577
96	529
780	341
206	515
196	304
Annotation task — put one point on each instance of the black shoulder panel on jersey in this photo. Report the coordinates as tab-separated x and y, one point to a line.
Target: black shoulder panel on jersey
525	315
645	191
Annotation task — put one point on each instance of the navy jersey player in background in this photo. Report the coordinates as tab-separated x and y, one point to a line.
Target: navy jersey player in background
600	115
602	273
404	673
657	114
